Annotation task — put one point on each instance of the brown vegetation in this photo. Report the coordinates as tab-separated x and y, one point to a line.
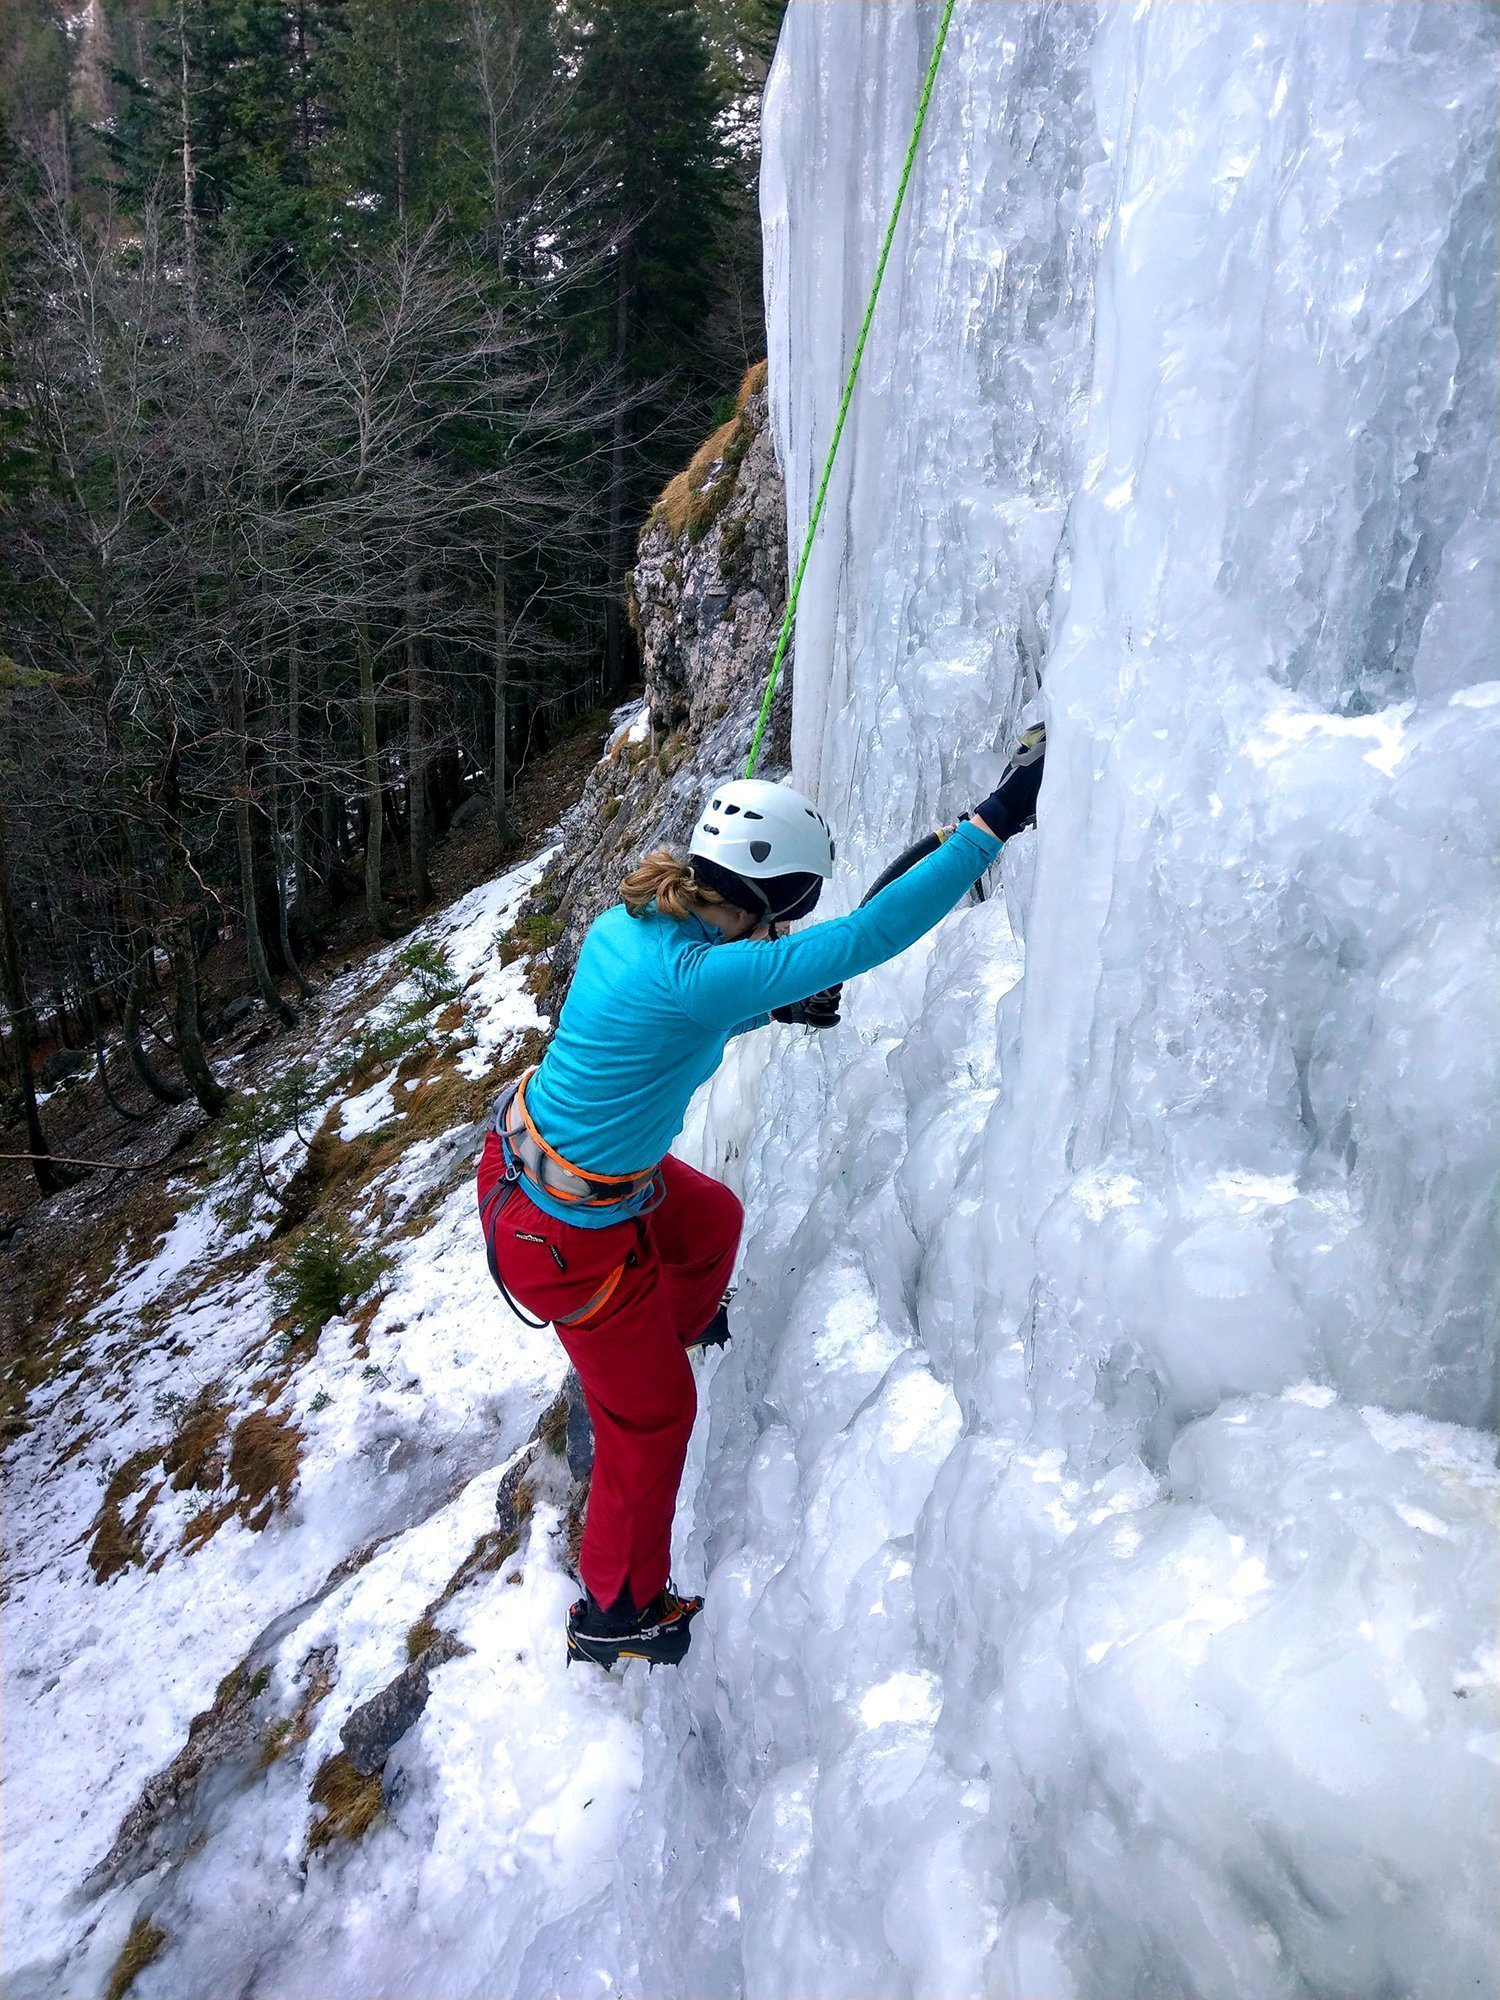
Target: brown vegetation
140	1948
264	1457
552	1429
350	1802
263	1462
421	1636
691	503
195	1457
117	1542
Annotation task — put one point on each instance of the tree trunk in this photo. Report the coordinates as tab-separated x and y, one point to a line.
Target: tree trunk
500	764
374	804
205	1086
96	1029
614	606
301	874
49	1178
416	766
135	999
189	171
183	951
283	901
255	949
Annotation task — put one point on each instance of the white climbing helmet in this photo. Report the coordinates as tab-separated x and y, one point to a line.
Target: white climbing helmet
771	839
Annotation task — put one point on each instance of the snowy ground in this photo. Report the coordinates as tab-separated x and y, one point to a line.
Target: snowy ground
407	1426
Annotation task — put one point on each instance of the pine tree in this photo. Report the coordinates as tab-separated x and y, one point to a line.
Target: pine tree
645	109
393	76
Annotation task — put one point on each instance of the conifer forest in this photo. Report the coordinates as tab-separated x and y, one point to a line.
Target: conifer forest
347	343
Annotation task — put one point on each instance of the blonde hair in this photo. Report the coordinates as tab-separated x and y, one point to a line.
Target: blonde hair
664	879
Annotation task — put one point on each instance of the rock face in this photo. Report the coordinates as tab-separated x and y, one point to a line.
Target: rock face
377	1725
707	597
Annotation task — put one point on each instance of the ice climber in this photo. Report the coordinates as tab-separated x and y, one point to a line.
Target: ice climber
588	1220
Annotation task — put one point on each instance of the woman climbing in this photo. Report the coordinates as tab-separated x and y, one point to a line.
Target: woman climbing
588	1220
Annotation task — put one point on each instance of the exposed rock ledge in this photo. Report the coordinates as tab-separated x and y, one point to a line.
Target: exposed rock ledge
707	597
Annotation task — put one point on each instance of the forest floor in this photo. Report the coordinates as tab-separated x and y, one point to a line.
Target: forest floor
49	1243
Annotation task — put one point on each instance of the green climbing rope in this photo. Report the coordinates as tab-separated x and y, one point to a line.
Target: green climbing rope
838	430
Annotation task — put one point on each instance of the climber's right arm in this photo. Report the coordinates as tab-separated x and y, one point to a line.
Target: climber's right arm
720	984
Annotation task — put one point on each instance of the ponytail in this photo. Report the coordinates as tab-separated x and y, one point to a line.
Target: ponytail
671	885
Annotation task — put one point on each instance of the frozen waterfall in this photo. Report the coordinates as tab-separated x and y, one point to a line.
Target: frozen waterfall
1098	1502
1099	1511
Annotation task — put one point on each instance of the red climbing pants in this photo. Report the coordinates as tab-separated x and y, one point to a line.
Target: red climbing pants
636	1292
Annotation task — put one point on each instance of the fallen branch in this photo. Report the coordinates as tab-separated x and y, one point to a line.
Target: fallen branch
104	1166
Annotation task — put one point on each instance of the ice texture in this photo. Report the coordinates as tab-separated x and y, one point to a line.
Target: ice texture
1099	1510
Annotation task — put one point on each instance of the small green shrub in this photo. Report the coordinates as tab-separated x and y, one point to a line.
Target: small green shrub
733	560
431	967
251	1121
385	1042
587	722
538	931
322	1276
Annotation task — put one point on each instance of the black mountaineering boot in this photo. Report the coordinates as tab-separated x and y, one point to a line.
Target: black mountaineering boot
660	1634
716	1333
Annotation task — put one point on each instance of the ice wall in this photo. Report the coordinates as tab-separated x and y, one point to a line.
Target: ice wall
1099	1506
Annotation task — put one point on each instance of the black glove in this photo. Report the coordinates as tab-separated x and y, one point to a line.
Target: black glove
818	1010
1012	804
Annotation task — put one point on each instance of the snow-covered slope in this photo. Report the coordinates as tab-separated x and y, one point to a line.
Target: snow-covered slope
1098	1503
400	1423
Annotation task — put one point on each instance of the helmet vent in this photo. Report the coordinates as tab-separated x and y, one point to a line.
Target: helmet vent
759	849
753	815
730	809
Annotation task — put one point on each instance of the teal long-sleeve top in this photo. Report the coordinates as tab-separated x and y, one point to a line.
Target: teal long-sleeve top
654	1000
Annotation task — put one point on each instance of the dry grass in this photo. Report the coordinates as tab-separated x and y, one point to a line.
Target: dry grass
491	1552
538	980
142	1946
350	1802
672	752
340	1170
552	1429
691	503
263	1462
264	1458
54	1291
688	504
70	1287
195	1457
117	1542
421	1636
